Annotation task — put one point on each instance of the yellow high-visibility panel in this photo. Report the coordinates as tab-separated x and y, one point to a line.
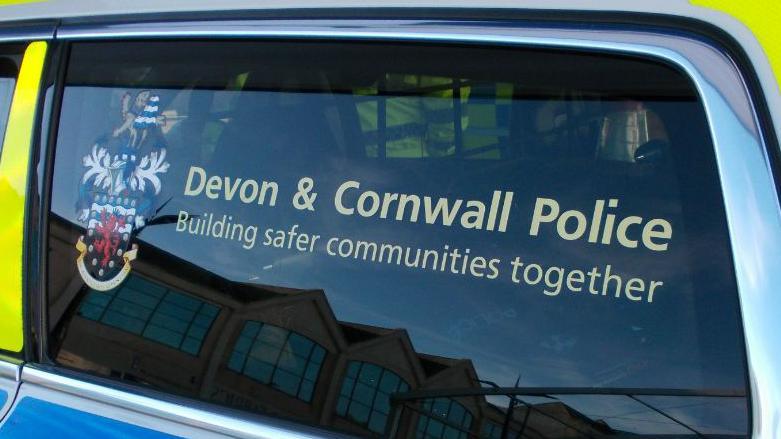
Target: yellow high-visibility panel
762	17
17	2
14	170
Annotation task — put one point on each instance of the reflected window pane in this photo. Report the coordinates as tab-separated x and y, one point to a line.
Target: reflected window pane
367	402
142	307
277	357
447	418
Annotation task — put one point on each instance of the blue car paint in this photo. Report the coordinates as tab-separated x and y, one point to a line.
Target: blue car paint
33	418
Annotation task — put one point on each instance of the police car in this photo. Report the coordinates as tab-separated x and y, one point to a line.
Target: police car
403	220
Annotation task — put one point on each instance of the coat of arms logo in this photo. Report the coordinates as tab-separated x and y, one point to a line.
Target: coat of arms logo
118	191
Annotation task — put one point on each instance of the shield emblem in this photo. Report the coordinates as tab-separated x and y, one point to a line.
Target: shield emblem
107	242
117	194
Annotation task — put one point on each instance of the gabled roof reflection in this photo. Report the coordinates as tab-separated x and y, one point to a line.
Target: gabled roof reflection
433	396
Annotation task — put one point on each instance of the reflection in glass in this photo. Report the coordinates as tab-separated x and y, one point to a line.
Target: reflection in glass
369	346
443	418
142	307
365	394
491	430
371	399
287	361
9	69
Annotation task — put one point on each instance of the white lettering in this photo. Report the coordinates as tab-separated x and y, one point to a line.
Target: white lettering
188	190
538	217
654	234
340	193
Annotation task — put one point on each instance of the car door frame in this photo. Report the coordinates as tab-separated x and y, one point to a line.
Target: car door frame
743	145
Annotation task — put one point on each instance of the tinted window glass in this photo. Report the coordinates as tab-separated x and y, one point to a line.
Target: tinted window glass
366	393
386	237
443	418
10	59
152	311
280	358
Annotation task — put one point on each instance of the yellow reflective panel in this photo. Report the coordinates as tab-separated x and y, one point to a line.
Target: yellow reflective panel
762	17
14	167
18	2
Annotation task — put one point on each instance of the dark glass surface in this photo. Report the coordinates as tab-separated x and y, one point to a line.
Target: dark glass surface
366	393
279	358
145	308
484	219
10	58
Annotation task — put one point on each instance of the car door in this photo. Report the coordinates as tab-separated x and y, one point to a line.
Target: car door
348	233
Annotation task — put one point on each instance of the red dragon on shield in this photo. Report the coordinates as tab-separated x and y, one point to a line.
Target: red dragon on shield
107	241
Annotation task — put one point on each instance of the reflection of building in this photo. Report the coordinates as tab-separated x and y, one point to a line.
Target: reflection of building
274	350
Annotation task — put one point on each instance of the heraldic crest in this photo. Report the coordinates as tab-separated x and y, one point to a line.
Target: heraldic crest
118	191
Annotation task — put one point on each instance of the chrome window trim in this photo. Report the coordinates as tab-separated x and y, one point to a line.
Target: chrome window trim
10	370
26	34
749	192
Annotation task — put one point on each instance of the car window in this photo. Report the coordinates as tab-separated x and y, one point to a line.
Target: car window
398	239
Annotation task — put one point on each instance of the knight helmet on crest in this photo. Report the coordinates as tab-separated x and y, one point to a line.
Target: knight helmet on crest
118	191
